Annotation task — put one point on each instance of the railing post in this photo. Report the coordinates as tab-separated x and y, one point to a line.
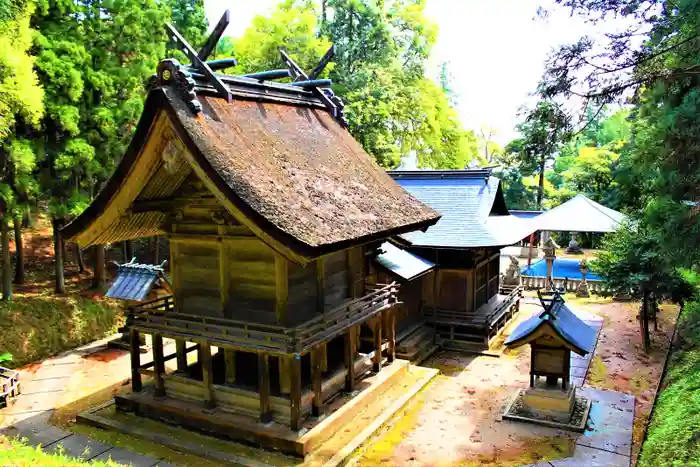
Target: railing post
181	353
135	349
158	365
391	334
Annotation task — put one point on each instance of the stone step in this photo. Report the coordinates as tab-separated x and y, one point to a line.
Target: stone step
338	449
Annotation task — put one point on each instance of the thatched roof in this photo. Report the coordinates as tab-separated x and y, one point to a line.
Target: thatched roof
284	163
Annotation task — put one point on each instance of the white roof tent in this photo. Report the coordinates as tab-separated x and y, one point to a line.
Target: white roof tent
579	214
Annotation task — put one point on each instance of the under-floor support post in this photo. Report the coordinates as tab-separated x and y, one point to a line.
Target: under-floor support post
377	361
316	372
158	365
285	375
135	349
230	359
181	355
264	387
350	338
390	318
295	391
207	375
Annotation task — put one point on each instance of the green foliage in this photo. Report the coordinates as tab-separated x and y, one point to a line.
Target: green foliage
36	327
15	452
633	262
5	357
672	436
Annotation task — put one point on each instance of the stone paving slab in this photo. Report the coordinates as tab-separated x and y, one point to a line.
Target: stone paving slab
79	446
578	372
589	457
42	436
610	421
124	456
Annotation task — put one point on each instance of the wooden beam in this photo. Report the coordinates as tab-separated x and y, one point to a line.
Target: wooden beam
187	49
377	360
350	258
181	354
158	365
317	380
230	359
327	57
320	285
264	387
207	375
350	340
214	37
135	349
281	288
295	391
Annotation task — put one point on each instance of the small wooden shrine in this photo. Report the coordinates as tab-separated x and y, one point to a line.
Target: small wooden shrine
461	298
274	213
552	334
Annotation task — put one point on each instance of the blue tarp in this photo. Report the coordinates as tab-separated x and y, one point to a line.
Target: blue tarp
402	263
134	281
563	321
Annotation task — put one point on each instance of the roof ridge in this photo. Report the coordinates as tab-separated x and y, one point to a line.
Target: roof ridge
597	207
480	173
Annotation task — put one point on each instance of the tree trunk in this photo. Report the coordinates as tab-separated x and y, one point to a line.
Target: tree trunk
19	252
6	260
98	279
644	322
79	258
156	261
540	188
128	250
58	255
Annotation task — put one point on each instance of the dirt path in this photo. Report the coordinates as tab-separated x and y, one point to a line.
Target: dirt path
456	420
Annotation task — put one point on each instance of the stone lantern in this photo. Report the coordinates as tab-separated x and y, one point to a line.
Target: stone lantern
549	248
582	289
552	335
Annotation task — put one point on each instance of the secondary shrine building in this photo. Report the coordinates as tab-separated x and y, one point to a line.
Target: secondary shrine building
459	296
274	215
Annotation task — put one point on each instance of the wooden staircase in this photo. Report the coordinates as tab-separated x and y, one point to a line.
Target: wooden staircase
416	343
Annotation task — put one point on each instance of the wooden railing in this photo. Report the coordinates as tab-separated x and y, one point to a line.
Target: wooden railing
9	384
513	295
159	316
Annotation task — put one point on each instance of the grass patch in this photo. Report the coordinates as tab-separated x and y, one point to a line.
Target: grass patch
40	325
14	453
673	437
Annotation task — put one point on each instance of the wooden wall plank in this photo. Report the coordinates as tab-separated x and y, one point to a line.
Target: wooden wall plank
264	387
135	350
207	375
295	394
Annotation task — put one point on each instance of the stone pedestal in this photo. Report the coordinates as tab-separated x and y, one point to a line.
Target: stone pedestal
555	404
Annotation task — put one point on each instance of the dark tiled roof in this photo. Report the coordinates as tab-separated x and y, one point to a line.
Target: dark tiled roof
405	265
474	213
563	321
134	281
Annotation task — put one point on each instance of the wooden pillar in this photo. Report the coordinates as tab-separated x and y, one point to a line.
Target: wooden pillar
285	376
350	351
295	391
316	373
264	387
207	374
230	359
181	355
391	334
158	365
323	354
377	363
135	348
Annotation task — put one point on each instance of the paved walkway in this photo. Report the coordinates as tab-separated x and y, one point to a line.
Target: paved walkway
51	384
